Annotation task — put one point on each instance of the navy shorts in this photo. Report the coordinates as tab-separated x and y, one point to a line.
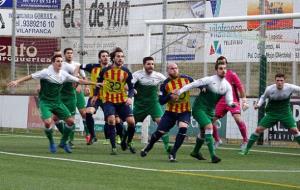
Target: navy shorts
169	119
120	109
97	104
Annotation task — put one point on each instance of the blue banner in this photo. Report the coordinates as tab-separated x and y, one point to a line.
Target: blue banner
180	57
5	3
40	4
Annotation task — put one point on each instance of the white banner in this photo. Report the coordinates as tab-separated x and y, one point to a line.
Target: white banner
32	23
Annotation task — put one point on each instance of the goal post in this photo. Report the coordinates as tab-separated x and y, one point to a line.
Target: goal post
216	36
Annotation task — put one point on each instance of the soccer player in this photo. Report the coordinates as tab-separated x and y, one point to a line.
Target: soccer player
116	98
72	96
203	107
178	110
51	82
277	109
146	83
222	108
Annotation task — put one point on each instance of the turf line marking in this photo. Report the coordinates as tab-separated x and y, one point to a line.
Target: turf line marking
236	179
222	148
156	170
245	171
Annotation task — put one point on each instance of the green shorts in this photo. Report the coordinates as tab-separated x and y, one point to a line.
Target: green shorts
58	108
269	120
140	113
203	117
70	103
80	103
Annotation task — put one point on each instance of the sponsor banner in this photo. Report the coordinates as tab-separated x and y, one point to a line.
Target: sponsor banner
278	132
281	46
271	7
92	46
28	50
103	18
6	4
39	4
32	23
198	9
34	120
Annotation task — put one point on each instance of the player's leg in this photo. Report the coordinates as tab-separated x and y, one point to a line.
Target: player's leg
289	122
220	110
266	122
236	113
167	121
109	113
183	123
46	116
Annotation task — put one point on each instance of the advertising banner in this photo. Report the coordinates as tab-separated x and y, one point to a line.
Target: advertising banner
32	23
39	4
28	50
271	7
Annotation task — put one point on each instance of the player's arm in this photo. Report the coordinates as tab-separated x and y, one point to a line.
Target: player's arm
241	90
100	79
295	88
72	78
262	98
229	96
130	88
164	96
36	75
196	84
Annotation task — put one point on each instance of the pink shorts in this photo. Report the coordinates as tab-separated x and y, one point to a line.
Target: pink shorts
223	108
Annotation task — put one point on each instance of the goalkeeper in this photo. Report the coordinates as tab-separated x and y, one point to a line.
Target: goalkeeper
222	108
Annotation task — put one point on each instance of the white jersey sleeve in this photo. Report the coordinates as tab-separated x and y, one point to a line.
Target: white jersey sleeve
197	83
40	74
265	96
228	95
68	77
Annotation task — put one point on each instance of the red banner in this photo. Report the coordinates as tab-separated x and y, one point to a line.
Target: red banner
28	50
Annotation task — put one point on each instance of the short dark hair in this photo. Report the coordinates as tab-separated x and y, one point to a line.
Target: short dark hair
113	54
147	59
102	51
56	51
219	62
54	57
279	75
67	49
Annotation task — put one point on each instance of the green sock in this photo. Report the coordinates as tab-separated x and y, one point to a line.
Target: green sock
72	133
86	130
298	139
210	144
67	132
165	140
251	141
60	126
49	134
198	145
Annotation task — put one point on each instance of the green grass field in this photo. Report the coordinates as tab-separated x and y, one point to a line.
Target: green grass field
26	164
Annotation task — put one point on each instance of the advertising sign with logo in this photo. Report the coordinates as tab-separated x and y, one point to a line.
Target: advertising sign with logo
28	50
39	4
271	7
32	23
5	4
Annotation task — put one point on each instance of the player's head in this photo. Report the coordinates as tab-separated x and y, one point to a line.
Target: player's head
172	70
279	80
57	52
220	66
117	57
56	62
148	63
103	57
68	53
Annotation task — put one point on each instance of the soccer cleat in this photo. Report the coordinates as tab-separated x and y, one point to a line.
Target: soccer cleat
243	146
52	148
118	140
244	152
67	148
143	153
124	145
217	144
87	139
131	148
215	159
197	156
113	151
92	141
106	142
71	144
172	158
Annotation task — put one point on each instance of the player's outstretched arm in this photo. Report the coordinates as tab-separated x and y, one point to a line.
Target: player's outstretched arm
18	81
